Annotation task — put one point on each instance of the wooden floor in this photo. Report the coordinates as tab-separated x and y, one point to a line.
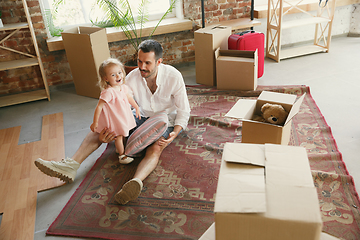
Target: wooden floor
20	180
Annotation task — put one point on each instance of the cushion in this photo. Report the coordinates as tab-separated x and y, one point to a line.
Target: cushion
148	132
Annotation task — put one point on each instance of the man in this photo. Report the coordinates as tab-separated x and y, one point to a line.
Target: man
155	87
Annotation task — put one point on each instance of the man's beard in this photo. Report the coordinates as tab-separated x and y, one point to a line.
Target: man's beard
150	73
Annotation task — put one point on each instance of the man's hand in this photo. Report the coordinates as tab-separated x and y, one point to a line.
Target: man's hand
106	136
165	142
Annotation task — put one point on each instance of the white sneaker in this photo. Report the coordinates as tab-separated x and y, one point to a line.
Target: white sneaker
123	159
130	191
65	170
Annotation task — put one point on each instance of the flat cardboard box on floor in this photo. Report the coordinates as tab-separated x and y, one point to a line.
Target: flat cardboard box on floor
266	192
236	69
209	234
86	48
207	40
261	132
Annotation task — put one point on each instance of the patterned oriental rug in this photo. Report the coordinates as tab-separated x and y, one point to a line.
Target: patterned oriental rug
177	200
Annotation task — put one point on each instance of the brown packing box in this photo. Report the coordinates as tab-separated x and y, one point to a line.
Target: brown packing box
236	70
266	192
86	48
207	40
260	132
209	234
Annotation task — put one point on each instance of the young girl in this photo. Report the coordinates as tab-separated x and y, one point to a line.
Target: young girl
113	110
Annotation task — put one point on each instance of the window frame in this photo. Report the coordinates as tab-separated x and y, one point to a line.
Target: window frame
44	5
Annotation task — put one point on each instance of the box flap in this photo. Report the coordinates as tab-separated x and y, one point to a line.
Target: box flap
235	59
209	234
71	30
295	108
243	109
245	153
280	98
285	165
90	30
212	28
288	175
238	53
217	53
241	187
295	204
324	236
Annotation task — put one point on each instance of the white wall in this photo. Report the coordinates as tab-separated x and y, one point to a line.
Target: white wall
355	21
345	18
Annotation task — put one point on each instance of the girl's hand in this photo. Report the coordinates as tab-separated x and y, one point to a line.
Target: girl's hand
138	113
93	127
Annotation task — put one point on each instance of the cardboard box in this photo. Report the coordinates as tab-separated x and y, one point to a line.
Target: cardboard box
209	234
86	48
266	192
260	132
236	70
207	40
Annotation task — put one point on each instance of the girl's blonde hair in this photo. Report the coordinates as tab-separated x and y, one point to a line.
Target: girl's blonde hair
107	63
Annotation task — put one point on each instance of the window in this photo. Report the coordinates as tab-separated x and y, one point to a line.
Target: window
64	14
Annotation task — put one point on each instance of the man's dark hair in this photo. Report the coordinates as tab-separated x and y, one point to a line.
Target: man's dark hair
152	46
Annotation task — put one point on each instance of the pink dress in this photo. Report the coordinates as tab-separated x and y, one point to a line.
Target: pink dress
116	114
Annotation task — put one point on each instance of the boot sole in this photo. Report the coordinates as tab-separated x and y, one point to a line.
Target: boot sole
52	173
130	191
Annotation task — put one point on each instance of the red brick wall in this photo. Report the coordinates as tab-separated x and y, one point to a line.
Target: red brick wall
216	10
178	47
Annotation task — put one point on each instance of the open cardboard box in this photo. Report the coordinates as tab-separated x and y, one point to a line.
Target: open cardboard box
207	40
261	132
236	69
209	234
266	192
86	48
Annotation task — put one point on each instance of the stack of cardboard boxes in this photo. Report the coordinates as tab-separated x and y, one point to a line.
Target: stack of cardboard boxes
217	66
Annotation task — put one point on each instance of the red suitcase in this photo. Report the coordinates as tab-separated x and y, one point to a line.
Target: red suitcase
249	41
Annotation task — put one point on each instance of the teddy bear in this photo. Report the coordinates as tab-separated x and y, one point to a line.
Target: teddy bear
272	113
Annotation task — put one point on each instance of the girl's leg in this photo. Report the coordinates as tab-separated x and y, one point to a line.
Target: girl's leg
119	144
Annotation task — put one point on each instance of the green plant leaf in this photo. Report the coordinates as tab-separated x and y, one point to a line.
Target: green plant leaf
121	15
143	14
170	9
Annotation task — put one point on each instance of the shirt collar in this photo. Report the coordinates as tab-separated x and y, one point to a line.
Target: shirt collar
159	78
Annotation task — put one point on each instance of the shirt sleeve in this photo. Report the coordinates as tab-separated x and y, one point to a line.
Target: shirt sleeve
182	104
106	95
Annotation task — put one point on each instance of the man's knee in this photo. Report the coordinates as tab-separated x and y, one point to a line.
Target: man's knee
155	147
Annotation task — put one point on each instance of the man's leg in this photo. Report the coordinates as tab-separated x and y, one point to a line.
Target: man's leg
90	143
66	169
150	161
132	188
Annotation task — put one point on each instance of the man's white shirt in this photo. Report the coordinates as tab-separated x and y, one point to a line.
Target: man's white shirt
170	95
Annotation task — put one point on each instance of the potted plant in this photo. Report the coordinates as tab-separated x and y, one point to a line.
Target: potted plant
122	17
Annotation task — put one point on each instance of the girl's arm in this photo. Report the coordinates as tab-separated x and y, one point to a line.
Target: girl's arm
97	114
134	104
